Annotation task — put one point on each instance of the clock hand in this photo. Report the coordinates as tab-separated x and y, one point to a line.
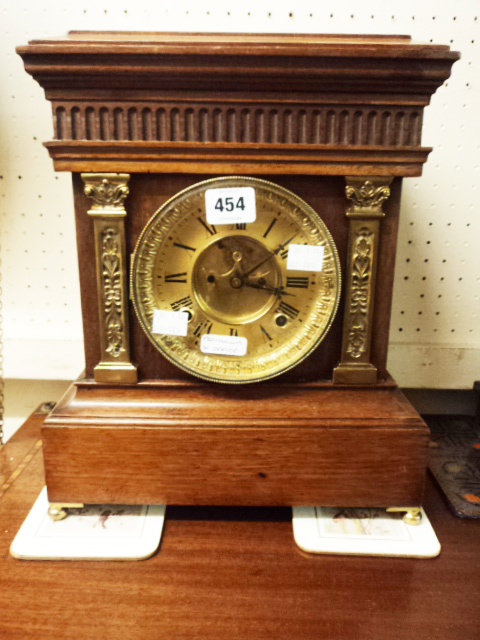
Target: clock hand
273	253
279	291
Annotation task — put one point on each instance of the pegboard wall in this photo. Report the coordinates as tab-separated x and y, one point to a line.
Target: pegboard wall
435	329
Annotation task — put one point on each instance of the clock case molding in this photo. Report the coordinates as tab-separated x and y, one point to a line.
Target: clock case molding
337	120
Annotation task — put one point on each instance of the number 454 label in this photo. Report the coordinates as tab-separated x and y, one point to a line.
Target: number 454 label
231	205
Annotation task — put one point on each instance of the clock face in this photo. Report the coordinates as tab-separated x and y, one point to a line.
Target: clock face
235	280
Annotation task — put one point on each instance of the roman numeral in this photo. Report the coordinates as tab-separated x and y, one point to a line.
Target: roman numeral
211	229
282	249
265	333
176	277
202	328
184	246
182	303
288	310
270	227
233	332
242	226
298	282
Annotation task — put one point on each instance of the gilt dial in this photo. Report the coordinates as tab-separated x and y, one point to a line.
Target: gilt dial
235	280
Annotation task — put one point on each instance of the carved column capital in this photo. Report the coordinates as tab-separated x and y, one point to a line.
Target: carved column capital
366	196
108	192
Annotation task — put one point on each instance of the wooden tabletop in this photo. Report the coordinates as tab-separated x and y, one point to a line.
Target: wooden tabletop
232	573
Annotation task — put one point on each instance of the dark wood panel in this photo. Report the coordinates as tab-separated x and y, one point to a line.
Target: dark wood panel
236	466
250	127
204	444
195	401
230	158
324	194
87	275
385	277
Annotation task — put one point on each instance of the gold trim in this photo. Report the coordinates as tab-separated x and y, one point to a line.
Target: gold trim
58	510
363	269
413	515
355	373
366	198
111	259
108	192
118	373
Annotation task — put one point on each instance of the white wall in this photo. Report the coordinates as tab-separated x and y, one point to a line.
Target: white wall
435	330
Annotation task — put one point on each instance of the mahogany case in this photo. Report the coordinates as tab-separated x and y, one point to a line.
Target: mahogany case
308	112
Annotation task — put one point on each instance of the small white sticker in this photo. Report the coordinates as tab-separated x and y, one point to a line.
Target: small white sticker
170	323
223	345
231	205
304	257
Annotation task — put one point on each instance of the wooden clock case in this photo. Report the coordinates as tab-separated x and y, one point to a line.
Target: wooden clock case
337	120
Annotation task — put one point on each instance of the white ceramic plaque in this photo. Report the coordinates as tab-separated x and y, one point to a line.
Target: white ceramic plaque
368	531
223	345
96	532
304	257
171	323
232	205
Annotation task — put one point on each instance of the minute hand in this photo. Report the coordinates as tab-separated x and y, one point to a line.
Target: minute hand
273	253
279	291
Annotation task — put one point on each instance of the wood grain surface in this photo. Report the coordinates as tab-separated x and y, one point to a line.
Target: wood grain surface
199	443
252	104
235	574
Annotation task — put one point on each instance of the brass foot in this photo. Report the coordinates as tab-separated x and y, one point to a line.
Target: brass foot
58	510
413	515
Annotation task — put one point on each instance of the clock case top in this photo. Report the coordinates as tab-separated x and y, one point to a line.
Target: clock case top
233	104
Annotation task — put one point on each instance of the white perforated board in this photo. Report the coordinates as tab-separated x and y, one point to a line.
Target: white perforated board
435	329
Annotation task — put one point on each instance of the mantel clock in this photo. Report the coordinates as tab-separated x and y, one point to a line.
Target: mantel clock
236	201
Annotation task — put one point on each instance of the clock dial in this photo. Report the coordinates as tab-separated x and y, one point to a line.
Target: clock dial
235	280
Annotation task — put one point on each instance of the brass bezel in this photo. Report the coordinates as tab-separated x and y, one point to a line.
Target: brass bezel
302	205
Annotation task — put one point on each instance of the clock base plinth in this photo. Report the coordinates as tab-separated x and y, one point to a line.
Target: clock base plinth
200	443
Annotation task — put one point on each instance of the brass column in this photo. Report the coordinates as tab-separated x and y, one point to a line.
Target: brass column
108	192
366	196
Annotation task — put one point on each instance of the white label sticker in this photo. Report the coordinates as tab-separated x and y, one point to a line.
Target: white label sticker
304	257
223	345
231	205
171	323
